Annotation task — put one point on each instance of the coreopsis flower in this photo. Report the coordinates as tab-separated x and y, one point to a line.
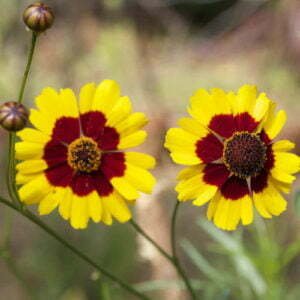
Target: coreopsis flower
233	161
74	158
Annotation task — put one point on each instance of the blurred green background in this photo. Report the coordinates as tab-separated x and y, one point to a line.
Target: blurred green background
160	51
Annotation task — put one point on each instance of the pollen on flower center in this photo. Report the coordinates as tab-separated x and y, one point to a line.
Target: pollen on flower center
244	154
84	155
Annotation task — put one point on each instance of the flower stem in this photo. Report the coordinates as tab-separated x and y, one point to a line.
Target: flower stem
147	237
172	258
10	174
12	136
34	219
28	65
177	263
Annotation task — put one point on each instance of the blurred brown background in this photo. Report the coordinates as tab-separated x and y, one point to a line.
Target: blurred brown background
160	51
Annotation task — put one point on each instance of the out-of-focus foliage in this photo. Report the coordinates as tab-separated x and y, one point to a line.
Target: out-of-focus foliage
254	263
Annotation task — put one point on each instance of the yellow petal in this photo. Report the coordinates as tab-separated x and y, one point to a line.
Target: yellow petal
261	107
287	162
132	140
185	158
124	188
189	172
48	103
260	205
281	186
269	202
246	210
117	207
24	178
279	175
65	202
106	215
213	206
95	207
35	190
273	200
245	99
86	97
120	112
234	215
31	166
106	96
33	136
283	145
48	204
204	106
195	187
222	213
27	150
131	124
68	103
205	195
42	121
140	160
139	178
182	145
274	124
193	126
79	212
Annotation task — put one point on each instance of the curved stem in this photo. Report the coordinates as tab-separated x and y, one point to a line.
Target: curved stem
147	237
12	136
11	171
172	258
34	219
178	266
28	65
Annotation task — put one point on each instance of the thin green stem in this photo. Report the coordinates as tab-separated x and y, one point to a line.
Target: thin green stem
28	65
173	229
177	263
12	136
147	237
34	219
172	258
10	174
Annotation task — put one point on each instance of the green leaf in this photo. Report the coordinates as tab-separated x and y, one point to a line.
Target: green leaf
204	266
243	264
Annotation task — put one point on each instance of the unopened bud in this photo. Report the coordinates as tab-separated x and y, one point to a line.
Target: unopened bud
38	17
13	116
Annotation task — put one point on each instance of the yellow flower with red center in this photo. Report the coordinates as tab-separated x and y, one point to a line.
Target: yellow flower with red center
232	158
74	158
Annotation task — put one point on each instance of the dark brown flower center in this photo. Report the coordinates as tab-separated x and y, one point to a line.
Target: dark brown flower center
84	155
244	154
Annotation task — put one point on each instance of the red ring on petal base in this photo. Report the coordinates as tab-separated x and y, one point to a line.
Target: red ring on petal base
66	130
215	174
224	125
235	188
60	174
245	122
209	149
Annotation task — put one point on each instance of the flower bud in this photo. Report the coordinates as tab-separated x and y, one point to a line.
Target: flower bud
38	17
13	116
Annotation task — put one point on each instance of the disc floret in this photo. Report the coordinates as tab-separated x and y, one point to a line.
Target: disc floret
244	154
84	155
